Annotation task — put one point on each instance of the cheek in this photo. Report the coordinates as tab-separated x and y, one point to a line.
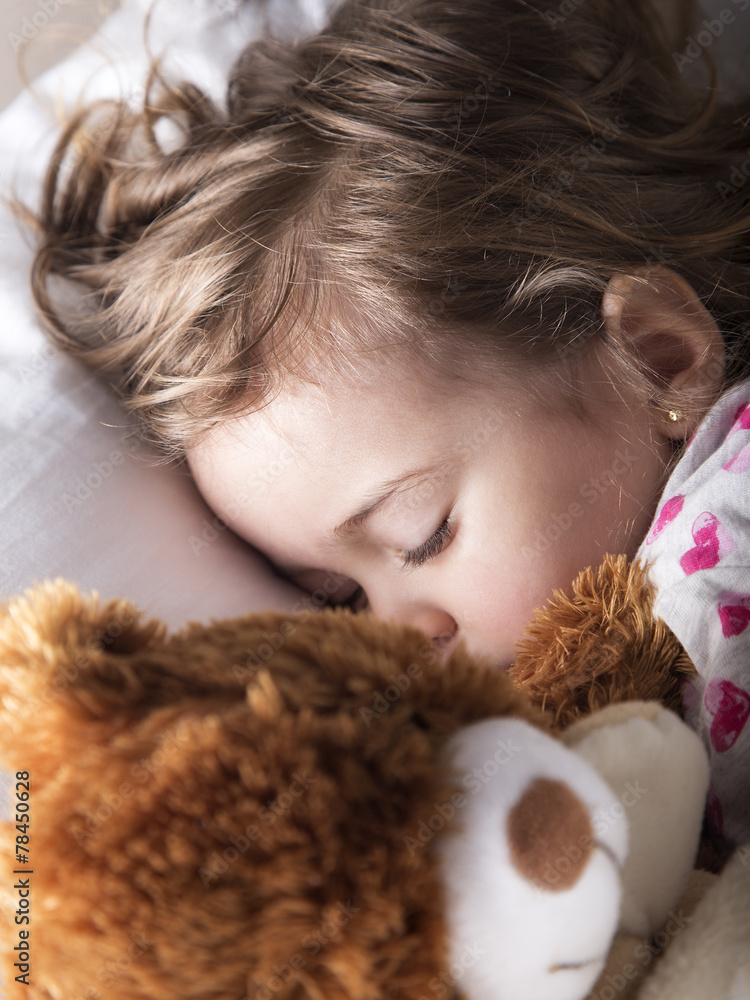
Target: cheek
517	572
586	499
498	603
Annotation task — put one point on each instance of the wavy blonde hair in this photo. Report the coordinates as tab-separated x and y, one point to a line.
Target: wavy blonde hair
444	174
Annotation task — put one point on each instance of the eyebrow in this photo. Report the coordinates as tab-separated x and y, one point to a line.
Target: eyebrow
353	524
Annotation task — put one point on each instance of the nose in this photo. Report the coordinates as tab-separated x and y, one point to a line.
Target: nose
546	818
437	623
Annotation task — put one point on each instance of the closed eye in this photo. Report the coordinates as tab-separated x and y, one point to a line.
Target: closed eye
429	549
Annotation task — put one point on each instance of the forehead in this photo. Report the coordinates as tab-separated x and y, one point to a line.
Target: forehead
334	428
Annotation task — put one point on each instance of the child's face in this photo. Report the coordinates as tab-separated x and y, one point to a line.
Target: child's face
481	499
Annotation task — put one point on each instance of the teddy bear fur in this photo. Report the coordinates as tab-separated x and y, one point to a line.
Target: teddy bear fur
163	768
600	644
232	767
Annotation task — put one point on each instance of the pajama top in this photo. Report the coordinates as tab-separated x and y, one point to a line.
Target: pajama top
698	554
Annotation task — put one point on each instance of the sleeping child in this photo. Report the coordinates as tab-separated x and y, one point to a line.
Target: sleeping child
443	304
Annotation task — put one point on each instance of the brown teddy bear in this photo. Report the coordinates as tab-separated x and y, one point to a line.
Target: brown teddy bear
314	807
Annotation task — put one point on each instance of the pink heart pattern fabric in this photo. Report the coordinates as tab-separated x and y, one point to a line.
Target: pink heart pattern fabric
740	462
741	419
712	543
734	613
667	514
730	707
698	556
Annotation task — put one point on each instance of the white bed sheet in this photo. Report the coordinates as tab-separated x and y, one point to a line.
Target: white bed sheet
75	499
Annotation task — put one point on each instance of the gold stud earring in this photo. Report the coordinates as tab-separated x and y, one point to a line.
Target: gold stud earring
675	415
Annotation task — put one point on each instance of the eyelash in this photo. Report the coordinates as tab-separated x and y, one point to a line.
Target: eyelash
411	559
429	549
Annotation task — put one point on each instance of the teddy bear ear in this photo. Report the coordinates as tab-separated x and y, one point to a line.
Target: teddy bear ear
600	643
56	649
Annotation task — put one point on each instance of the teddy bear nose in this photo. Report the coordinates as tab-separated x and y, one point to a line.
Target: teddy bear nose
550	835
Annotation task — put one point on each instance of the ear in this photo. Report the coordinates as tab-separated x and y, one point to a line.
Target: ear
65	672
656	317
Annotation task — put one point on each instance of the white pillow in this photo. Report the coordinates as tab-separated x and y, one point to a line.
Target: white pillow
75	500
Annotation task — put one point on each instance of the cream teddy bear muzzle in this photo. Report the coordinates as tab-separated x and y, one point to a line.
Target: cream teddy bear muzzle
539	876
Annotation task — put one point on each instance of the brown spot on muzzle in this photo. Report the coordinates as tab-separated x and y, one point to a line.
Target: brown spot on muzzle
550	835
